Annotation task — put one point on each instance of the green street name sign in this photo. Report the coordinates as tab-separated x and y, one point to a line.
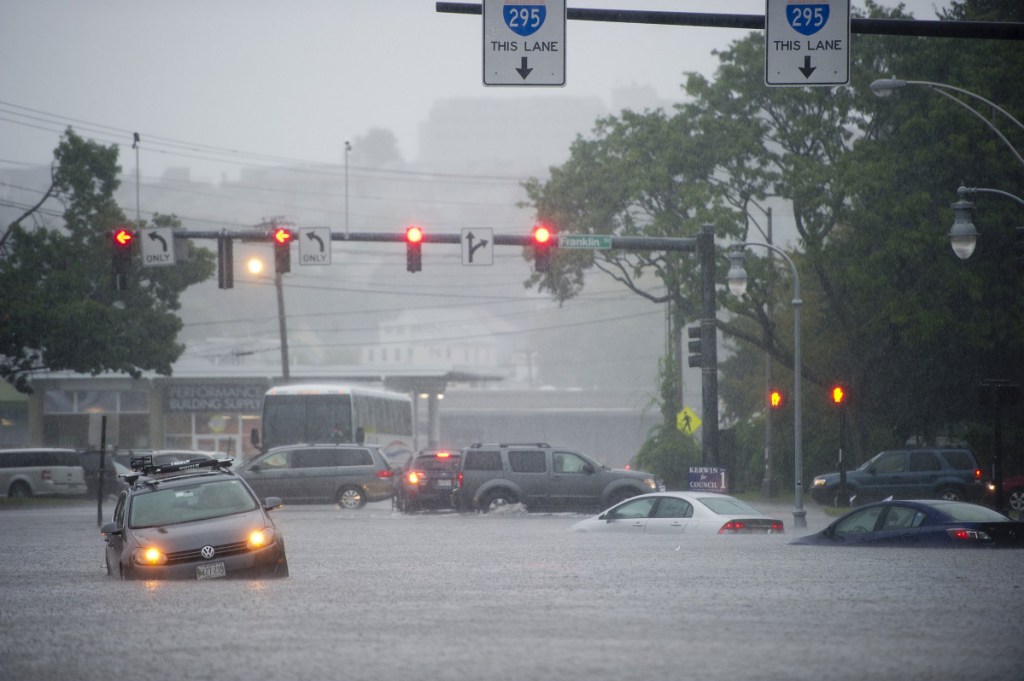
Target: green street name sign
592	241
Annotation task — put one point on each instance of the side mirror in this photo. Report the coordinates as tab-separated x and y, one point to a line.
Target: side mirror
255	468
110	528
588	469
270	503
254	437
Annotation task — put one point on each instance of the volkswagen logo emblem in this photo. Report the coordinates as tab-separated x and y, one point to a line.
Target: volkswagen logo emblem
207	552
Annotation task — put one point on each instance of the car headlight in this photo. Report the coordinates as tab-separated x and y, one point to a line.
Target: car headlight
149	555
818	482
260	538
649	482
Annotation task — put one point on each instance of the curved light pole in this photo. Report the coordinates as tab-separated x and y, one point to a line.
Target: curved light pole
883	87
963	236
737	278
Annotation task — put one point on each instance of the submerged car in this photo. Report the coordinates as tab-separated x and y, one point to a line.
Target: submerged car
920	523
192	520
429	480
705	513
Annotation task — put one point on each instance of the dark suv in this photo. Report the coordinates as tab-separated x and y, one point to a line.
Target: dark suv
933	473
542	477
429	481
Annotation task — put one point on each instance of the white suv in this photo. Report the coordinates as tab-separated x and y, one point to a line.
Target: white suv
41	472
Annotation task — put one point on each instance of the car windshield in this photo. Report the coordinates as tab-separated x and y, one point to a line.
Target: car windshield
183	504
969	512
728	506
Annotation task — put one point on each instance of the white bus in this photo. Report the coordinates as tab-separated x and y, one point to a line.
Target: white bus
329	413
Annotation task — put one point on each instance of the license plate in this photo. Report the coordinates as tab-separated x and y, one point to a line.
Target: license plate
443	483
210	571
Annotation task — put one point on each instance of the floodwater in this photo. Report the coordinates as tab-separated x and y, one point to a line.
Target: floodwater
381	595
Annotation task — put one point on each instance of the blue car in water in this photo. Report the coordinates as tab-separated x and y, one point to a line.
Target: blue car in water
920	523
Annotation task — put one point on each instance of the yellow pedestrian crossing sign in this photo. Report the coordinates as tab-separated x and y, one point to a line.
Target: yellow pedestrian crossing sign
687	420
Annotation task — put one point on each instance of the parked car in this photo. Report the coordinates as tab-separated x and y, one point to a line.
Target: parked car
920	523
682	513
192	520
936	473
41	472
1013	493
542	477
430	480
349	475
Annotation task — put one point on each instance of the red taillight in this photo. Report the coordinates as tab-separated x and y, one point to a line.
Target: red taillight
46	475
458	479
964	534
732	526
414	477
387	473
777	527
977	474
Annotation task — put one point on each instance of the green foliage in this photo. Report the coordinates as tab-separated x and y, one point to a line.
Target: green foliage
668	454
60	310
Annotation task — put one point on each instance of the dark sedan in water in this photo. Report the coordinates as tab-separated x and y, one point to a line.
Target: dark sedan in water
920	523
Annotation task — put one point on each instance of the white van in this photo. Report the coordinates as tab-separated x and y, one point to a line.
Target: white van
41	472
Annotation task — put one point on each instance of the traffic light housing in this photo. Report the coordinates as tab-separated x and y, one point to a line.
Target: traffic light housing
225	262
414	248
283	238
838	395
122	241
695	346
776	400
541	240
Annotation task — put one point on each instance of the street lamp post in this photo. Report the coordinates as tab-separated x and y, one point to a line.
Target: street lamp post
963	236
766	479
884	87
348	148
737	278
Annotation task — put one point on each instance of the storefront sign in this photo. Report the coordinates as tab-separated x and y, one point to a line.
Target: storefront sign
227	397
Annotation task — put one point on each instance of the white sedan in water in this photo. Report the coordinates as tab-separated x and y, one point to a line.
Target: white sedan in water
679	513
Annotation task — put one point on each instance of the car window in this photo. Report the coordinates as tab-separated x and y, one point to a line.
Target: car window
482	461
902	517
969	512
567	462
890	462
960	460
432	463
527	461
727	505
277	460
636	508
924	461
858	522
673	507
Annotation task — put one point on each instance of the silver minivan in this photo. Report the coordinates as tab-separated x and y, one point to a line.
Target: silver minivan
348	475
41	472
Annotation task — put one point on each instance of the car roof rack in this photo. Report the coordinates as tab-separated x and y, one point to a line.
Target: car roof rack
143	466
509	444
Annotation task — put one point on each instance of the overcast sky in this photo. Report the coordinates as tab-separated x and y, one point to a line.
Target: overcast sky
296	79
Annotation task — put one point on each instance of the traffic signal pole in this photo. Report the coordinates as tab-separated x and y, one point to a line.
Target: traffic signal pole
703	246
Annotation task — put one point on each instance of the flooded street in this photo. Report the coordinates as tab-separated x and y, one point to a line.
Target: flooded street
380	595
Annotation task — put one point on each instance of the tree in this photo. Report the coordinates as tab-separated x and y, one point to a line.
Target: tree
60	310
642	174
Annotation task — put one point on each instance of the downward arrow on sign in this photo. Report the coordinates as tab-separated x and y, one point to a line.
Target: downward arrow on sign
807	69
523	70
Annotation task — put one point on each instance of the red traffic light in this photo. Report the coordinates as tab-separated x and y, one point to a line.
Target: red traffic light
838	395
775	399
283	236
123	237
541	234
414	234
